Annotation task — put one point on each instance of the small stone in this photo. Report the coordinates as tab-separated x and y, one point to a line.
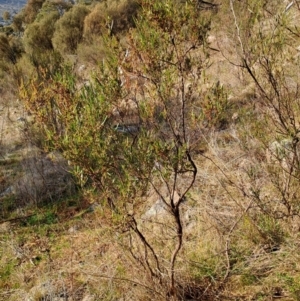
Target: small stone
235	116
88	298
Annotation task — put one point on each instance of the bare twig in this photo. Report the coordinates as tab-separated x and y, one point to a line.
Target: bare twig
17	218
126	280
237	27
135	228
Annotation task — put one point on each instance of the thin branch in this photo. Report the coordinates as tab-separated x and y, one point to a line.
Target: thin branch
297	3
17	218
176	213
134	227
237	27
125	279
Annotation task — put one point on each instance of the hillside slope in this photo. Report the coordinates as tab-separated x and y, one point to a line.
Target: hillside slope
156	157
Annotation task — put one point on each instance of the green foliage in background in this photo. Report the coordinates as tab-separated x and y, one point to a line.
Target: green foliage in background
69	29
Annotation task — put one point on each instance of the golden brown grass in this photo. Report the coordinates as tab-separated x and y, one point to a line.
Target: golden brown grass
234	248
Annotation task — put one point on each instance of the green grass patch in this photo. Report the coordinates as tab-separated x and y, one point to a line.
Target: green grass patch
6	270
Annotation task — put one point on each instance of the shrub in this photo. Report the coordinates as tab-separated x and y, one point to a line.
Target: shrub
31	10
113	19
10	48
69	29
38	35
130	131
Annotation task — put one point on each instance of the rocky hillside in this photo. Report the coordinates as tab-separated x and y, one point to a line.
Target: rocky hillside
151	152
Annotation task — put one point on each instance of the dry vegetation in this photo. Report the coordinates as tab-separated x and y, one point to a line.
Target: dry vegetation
153	153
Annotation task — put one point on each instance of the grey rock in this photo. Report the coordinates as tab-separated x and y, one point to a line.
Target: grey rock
7	192
158	208
44	178
88	298
127	129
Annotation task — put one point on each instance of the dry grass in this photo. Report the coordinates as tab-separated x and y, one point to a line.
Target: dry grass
234	248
